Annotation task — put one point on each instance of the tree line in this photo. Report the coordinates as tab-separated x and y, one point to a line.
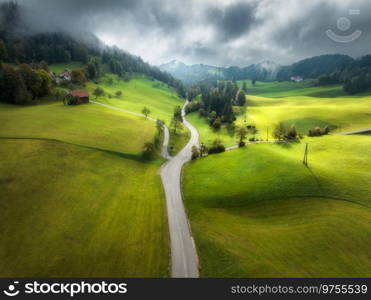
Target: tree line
217	101
16	47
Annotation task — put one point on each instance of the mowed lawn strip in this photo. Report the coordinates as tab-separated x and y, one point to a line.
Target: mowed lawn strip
68	211
258	212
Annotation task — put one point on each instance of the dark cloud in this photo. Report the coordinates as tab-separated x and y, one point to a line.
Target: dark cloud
233	20
219	32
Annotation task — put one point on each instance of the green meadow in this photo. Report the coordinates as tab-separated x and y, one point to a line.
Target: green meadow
138	93
77	199
70	211
259	212
297	107
88	125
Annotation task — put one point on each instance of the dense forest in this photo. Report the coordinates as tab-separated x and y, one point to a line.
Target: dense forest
217	101
18	46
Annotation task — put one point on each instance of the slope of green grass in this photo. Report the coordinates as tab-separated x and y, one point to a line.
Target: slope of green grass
70	211
287	89
259	212
340	113
137	93
88	125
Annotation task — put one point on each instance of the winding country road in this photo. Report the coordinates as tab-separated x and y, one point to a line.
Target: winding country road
184	260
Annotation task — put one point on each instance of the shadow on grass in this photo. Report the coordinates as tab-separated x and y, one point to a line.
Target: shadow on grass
136	157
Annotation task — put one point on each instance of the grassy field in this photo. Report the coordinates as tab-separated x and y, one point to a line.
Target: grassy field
76	197
295	106
137	93
261	213
89	125
70	211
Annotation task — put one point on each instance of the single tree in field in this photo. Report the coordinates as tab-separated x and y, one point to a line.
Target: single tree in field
253	82
149	150
244	87
118	94
279	132
78	76
195	152
242	134
241	98
98	92
146	111
176	124
178	113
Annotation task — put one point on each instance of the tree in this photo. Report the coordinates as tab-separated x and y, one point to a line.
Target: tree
149	150
178	113
279	132
176	124
244	86
292	134
78	76
146	111
217	147
118	94
242	133
217	123
195	152
98	92
46	83
241	98
3	51
253	82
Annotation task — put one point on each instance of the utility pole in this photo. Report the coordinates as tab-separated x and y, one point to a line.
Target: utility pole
305	161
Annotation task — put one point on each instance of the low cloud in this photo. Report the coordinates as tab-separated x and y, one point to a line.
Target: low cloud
218	32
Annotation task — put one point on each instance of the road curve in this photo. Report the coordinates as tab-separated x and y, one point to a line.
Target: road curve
184	260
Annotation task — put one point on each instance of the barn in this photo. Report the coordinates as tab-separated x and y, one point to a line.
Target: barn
77	97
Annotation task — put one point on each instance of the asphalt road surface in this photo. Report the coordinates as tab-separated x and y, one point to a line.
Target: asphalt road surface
184	260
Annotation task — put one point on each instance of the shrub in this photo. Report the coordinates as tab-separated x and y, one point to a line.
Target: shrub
317	131
217	147
195	152
241	144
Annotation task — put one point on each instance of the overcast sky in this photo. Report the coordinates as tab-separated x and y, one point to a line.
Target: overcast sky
218	32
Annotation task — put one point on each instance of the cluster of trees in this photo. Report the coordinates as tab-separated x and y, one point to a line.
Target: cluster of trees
177	120
217	101
24	84
150	148
281	132
17	48
318	131
216	147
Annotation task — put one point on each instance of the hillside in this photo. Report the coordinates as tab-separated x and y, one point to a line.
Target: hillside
92	197
261	213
